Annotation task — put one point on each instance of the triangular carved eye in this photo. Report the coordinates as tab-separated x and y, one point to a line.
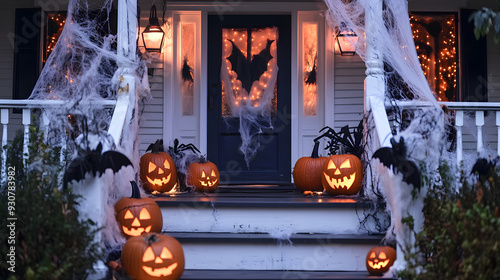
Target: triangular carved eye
373	255
331	165
128	215
346	164
382	256
165	254
144	215
213	173
151	167
149	255
166	164
203	174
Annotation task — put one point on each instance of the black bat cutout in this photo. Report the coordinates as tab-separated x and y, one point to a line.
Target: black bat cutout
187	72
94	162
482	167
248	72
395	157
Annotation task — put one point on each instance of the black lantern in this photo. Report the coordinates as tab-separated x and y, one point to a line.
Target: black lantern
152	36
346	39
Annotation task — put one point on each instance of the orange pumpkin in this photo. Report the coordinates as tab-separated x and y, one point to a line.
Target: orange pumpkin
379	259
203	175
137	215
154	256
307	171
342	174
157	169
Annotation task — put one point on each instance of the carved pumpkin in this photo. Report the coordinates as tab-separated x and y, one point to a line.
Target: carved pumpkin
157	169
342	174
379	259
154	256
203	175
307	171
136	215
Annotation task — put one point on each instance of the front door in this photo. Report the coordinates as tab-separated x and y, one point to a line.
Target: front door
249	98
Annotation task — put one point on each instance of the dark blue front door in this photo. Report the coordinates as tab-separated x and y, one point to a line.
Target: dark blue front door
249	34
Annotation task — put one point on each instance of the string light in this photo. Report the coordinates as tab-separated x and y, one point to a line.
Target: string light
55	23
438	59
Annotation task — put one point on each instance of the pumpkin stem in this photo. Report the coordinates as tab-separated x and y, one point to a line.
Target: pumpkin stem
156	147
151	239
315	150
203	159
135	190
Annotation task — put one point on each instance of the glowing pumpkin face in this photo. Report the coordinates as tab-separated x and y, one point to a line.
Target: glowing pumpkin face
380	259
158	172
203	175
342	175
154	256
136	215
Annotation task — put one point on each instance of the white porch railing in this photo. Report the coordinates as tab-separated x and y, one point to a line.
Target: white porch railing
477	108
27	107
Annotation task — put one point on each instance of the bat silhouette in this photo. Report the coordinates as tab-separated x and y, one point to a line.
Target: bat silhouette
482	167
395	157
249	71
94	162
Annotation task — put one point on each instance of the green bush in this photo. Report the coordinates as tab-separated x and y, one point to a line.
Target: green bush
51	242
461	236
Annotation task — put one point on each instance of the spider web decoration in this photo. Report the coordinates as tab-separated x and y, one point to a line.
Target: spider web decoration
83	69
391	34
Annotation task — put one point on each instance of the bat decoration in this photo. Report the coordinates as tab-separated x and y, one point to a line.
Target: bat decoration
249	71
95	162
311	76
187	72
395	157
482	167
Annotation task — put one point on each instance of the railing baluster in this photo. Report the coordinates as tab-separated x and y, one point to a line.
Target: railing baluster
459	122
479	125
26	123
5	122
498	131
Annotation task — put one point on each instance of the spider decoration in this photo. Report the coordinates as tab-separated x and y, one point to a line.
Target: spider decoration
183	155
350	138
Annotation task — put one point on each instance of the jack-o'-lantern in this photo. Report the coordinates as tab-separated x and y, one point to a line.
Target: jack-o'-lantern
203	175
342	174
307	171
136	215
157	169
154	256
379	259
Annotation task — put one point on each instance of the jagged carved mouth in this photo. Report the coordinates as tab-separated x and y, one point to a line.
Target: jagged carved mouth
208	183
378	265
341	183
158	272
159	182
135	232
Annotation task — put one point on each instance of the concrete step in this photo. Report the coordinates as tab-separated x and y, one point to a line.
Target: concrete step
275	275
302	252
278	211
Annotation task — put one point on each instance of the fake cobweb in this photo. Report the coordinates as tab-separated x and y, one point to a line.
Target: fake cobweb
84	70
390	32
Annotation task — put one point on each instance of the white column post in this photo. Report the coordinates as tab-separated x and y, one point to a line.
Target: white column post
26	124
459	123
5	122
479	125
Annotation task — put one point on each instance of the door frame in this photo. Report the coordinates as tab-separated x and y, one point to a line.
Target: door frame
297	10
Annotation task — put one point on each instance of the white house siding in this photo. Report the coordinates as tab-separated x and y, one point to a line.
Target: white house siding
151	124
349	90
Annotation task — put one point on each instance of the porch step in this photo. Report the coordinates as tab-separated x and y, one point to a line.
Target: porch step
244	251
276	210
275	275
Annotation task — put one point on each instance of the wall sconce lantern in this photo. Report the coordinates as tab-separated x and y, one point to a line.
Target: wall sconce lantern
152	36
346	39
